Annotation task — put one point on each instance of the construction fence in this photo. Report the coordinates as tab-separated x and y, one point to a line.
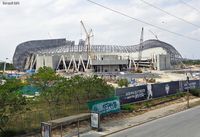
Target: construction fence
151	91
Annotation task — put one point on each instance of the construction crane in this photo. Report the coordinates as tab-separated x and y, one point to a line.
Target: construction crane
88	38
154	34
140	48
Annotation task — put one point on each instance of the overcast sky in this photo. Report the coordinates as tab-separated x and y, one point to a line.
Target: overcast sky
45	19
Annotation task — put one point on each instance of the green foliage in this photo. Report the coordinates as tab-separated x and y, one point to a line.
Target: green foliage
59	97
128	107
8	66
191	62
122	82
147	104
78	90
195	92
138	71
10	101
44	79
180	94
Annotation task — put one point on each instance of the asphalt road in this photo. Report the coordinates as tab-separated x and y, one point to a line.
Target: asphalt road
182	124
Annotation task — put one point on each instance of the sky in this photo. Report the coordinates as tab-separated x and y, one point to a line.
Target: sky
46	19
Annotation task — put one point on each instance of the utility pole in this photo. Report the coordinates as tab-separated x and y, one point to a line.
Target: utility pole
188	92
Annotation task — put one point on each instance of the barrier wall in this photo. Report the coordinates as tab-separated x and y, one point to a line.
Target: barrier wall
132	94
164	89
145	92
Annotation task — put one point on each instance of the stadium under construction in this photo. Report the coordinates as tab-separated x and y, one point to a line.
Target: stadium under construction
60	54
65	55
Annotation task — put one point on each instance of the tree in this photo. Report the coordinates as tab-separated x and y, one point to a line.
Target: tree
48	83
57	90
96	88
11	101
122	82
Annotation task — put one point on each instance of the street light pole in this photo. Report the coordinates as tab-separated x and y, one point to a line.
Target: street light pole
188	96
4	67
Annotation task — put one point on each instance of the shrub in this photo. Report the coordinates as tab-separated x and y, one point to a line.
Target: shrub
138	71
195	92
151	80
128	107
122	82
180	94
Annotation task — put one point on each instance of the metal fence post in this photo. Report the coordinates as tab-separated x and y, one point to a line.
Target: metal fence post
61	130
188	96
78	128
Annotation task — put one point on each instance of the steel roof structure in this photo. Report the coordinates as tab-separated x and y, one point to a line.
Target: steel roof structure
62	46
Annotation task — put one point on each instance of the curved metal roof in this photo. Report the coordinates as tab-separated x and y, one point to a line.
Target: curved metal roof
25	49
54	46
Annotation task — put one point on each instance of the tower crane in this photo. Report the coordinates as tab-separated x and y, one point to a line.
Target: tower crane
140	48
154	34
88	38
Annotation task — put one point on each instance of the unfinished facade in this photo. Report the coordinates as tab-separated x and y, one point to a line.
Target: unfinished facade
67	56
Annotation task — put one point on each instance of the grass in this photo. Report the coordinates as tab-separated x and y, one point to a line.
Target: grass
128	107
150	103
29	121
195	92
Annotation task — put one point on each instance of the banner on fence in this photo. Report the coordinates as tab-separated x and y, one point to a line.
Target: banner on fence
145	92
104	106
132	94
192	85
164	89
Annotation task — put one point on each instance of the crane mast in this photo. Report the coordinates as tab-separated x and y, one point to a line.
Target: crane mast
88	36
140	47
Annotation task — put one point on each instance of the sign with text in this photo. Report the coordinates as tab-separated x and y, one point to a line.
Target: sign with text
45	129
132	94
95	119
192	85
104	106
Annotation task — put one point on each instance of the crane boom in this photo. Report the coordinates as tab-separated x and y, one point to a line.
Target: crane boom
84	27
154	34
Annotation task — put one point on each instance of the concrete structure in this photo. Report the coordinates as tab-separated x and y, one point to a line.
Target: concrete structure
61	54
163	62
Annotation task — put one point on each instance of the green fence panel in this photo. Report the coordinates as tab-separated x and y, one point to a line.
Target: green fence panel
105	106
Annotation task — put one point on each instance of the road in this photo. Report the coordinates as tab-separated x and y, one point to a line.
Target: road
182	124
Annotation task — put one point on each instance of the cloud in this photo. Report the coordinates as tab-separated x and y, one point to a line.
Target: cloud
36	19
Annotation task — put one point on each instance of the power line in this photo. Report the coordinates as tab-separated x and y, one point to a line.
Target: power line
196	9
170	14
144	22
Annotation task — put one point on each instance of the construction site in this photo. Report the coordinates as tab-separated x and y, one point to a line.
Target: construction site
65	56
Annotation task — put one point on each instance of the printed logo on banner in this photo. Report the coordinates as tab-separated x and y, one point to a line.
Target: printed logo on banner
132	94
108	105
191	85
135	94
167	88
